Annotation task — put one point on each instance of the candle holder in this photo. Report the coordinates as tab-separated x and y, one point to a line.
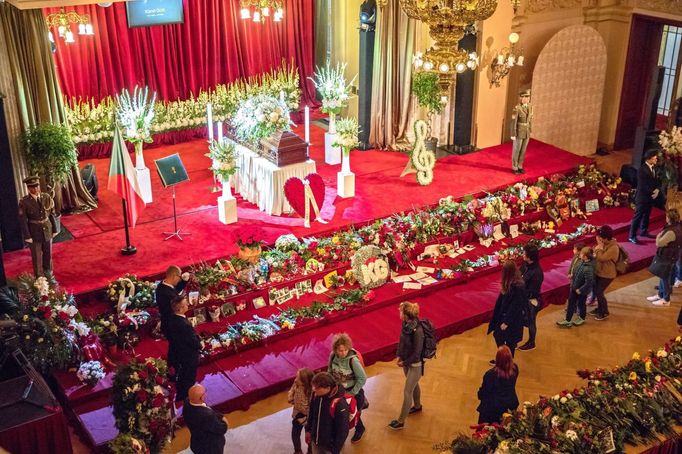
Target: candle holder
503	62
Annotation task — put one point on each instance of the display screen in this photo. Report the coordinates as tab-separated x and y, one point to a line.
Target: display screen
143	13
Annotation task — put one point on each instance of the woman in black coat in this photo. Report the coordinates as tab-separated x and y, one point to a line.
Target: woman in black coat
498	390
508	315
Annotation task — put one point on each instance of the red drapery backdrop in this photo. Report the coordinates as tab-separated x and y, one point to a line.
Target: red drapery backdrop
213	46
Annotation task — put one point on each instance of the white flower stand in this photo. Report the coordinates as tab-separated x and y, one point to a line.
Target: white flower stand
332	155
345	180
144	179
227	205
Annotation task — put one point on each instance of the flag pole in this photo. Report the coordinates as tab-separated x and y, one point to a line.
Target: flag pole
129	249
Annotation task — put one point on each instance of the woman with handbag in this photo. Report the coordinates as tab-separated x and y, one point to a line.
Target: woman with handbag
668	244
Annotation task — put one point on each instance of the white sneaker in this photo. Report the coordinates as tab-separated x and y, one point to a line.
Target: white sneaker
661	302
653	298
677	283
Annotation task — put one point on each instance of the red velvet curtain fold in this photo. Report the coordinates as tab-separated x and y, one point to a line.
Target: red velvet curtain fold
213	46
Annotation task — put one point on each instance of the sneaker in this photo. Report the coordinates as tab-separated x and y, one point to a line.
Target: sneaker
357	435
653	298
594	312
396	425
564	323
527	347
414	410
579	321
634	240
661	302
678	283
601	317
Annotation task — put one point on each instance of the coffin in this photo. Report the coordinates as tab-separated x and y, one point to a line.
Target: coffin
284	149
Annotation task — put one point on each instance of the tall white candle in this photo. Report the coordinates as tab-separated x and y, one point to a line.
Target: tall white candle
220	130
307	124
209	116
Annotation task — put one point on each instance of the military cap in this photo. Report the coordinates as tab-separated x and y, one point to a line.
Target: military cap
32	181
524	93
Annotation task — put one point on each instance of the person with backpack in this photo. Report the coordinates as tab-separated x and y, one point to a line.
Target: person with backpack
348	371
299	396
668	244
582	280
533	276
410	358
498	390
508	315
607	253
326	429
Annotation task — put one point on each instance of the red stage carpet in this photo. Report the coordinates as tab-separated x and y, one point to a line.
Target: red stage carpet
241	379
93	259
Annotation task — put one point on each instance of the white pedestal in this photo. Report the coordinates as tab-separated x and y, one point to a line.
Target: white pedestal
227	210
145	182
332	155
345	184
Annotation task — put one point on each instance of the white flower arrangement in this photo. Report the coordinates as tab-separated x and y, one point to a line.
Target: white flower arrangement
91	372
332	87
671	142
223	155
135	114
422	159
347	130
42	286
260	116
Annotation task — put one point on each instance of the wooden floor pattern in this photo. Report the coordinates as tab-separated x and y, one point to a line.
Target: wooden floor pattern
451	381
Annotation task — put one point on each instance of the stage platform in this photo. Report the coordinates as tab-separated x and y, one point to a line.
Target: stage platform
92	258
241	379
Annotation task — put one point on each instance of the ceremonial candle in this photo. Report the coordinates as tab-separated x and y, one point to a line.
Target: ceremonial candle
220	131
500	59
520	61
209	116
307	124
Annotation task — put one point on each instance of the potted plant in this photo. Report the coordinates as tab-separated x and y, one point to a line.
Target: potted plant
249	240
427	91
50	154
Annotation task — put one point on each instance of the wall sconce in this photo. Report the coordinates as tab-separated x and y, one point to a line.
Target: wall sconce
504	61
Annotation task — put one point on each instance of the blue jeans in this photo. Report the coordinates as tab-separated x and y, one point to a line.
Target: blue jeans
665	286
678	269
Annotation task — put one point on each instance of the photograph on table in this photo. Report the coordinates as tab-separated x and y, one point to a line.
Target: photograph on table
227	309
193	298
200	315
259	302
592	205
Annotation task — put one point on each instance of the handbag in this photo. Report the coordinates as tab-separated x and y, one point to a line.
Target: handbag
661	267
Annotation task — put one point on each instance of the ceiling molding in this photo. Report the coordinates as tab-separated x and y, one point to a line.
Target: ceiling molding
39	4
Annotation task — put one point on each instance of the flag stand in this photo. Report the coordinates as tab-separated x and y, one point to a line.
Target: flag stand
129	249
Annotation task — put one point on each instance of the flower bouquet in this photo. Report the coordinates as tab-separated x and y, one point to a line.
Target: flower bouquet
222	155
347	130
333	89
249	239
260	116
91	372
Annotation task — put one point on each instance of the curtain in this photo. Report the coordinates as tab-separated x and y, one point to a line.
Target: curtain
38	96
391	82
213	46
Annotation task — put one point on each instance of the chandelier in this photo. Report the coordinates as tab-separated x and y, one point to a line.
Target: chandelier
448	21
63	20
260	10
503	63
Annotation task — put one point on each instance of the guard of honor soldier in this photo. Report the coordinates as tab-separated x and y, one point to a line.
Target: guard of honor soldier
522	118
38	225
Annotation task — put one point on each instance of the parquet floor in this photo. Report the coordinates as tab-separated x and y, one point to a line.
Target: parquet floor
451	381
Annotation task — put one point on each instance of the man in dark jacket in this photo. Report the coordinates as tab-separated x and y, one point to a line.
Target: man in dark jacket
184	347
167	290
533	276
326	430
647	192
206	426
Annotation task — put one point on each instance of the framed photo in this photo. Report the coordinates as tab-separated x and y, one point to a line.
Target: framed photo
514	230
319	287
273	294
575	205
329	278
259	302
200	315
193	298
592	205
455	244
300	288
284	296
227	309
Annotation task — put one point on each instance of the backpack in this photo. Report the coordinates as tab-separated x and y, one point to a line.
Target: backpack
353	413
623	261
430	341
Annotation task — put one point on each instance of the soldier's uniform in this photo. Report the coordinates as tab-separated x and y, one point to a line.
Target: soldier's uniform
522	118
38	224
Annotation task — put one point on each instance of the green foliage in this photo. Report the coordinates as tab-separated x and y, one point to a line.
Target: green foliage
50	151
125	444
425	88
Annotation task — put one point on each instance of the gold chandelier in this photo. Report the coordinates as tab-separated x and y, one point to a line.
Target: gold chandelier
260	10
448	21
63	20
